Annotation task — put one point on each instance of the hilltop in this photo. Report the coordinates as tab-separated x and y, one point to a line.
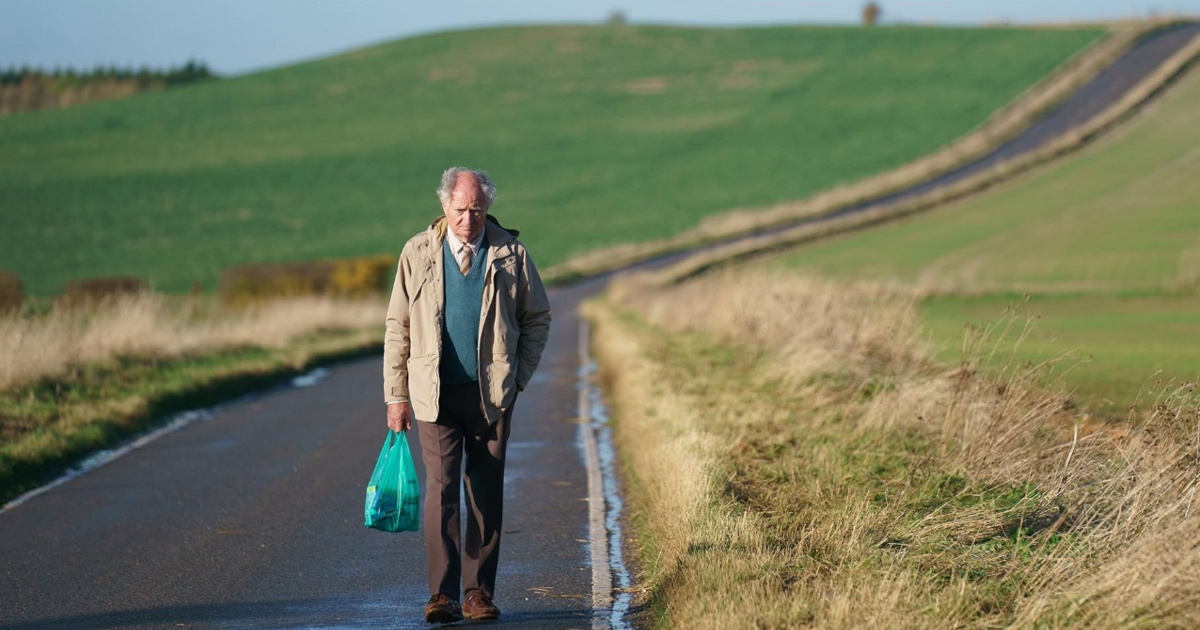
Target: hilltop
1105	242
596	135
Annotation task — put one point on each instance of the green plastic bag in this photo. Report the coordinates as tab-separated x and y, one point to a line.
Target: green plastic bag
393	495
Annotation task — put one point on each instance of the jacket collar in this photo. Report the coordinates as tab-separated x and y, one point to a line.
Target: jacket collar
497	234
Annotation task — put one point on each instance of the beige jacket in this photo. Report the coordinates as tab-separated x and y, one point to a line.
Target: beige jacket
513	326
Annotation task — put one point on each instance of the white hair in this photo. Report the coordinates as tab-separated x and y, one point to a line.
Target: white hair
450	178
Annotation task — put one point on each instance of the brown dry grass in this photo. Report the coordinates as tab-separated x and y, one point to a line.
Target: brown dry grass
36	347
798	461
82	378
1000	126
41	93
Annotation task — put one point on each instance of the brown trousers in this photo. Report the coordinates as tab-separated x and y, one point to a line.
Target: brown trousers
461	426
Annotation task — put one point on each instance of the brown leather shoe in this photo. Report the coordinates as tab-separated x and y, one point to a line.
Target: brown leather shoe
442	609
479	606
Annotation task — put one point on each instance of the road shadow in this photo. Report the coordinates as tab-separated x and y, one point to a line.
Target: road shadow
310	613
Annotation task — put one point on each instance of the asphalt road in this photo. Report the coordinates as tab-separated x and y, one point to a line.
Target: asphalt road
253	518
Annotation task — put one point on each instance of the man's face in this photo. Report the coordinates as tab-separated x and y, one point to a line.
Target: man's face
467	209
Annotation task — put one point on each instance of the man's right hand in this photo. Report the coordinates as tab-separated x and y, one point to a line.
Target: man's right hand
399	416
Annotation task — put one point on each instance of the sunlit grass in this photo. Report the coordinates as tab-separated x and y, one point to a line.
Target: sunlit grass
1121	344
596	136
805	463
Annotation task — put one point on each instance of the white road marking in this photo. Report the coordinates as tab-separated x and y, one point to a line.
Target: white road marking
177	422
597	534
310	378
604	505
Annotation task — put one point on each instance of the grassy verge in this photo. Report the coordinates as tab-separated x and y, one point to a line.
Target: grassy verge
76	381
806	464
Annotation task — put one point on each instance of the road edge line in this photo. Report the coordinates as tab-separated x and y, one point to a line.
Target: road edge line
173	423
602	599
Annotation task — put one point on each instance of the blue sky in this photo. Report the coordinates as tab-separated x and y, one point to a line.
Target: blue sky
235	36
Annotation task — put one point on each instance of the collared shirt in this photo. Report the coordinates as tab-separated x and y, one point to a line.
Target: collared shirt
459	249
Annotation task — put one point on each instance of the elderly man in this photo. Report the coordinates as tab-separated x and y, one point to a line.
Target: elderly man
466	325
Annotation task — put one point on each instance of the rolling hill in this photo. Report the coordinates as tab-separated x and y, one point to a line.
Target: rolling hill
596	135
1106	242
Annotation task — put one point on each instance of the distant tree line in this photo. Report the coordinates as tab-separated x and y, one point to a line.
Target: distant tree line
26	88
190	71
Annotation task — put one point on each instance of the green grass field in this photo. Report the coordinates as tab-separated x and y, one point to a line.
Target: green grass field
1107	243
595	135
1118	346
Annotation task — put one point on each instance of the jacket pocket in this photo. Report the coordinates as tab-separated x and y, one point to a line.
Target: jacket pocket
505	340
416	293
502	379
422	386
424	323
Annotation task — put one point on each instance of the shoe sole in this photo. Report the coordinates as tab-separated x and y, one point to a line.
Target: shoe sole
442	617
482	617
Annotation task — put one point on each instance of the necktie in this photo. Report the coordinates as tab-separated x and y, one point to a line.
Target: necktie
464	261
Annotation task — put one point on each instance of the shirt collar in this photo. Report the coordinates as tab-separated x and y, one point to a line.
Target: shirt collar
456	243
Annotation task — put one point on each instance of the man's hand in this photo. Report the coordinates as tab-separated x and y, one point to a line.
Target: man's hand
399	416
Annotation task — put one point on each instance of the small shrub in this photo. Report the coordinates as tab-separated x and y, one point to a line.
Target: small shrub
12	292
91	291
250	283
871	13
366	275
363	276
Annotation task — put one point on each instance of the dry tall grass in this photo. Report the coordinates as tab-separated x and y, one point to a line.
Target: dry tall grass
154	325
799	462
